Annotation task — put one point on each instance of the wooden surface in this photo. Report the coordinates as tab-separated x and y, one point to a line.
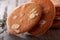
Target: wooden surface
5	8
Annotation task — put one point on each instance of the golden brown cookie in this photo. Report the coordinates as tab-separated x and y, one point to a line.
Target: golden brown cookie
23	18
47	18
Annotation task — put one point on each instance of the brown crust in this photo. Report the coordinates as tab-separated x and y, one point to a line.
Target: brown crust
48	17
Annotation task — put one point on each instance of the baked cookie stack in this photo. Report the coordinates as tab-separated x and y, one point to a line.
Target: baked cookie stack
56	22
34	17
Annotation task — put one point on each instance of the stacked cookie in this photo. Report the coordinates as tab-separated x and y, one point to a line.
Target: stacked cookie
35	17
56	22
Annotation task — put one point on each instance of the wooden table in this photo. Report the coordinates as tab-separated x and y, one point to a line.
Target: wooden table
6	6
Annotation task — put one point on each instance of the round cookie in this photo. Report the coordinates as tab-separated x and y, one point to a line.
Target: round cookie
23	18
47	18
57	18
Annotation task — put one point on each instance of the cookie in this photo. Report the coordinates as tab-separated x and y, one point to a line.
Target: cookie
47	18
56	23
23	18
57	18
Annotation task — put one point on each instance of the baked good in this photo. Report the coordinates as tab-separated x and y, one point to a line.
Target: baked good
23	18
47	18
